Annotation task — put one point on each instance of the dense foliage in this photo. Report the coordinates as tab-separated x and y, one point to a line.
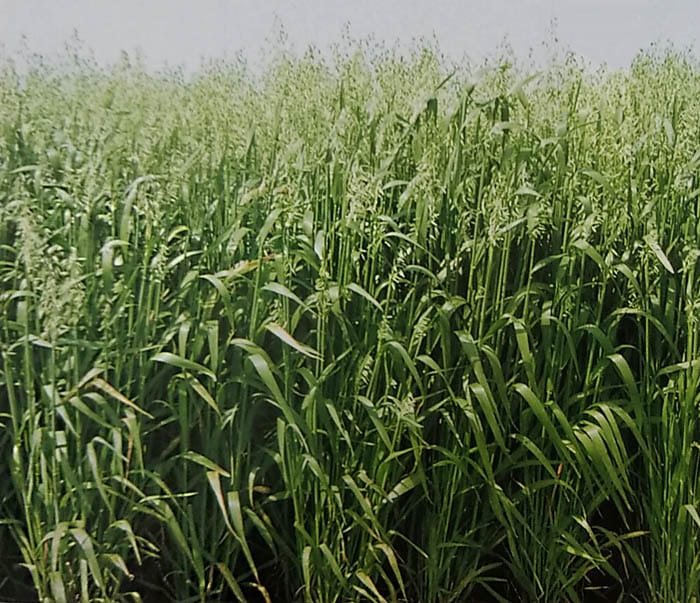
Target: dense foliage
370	331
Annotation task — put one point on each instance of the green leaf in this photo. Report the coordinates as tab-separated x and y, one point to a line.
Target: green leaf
362	292
183	363
280	289
232	583
284	336
335	568
203	461
405	485
623	368
490	412
202	392
367	581
542	415
377	422
85	543
214	478
234	506
653	244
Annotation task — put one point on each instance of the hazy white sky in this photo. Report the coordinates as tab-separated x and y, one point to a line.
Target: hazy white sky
186	31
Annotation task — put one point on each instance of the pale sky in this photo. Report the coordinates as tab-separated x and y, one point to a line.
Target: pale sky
183	32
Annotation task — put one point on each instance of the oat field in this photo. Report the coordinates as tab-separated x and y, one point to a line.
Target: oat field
370	330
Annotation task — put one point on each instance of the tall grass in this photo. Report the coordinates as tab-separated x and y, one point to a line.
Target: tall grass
363	331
